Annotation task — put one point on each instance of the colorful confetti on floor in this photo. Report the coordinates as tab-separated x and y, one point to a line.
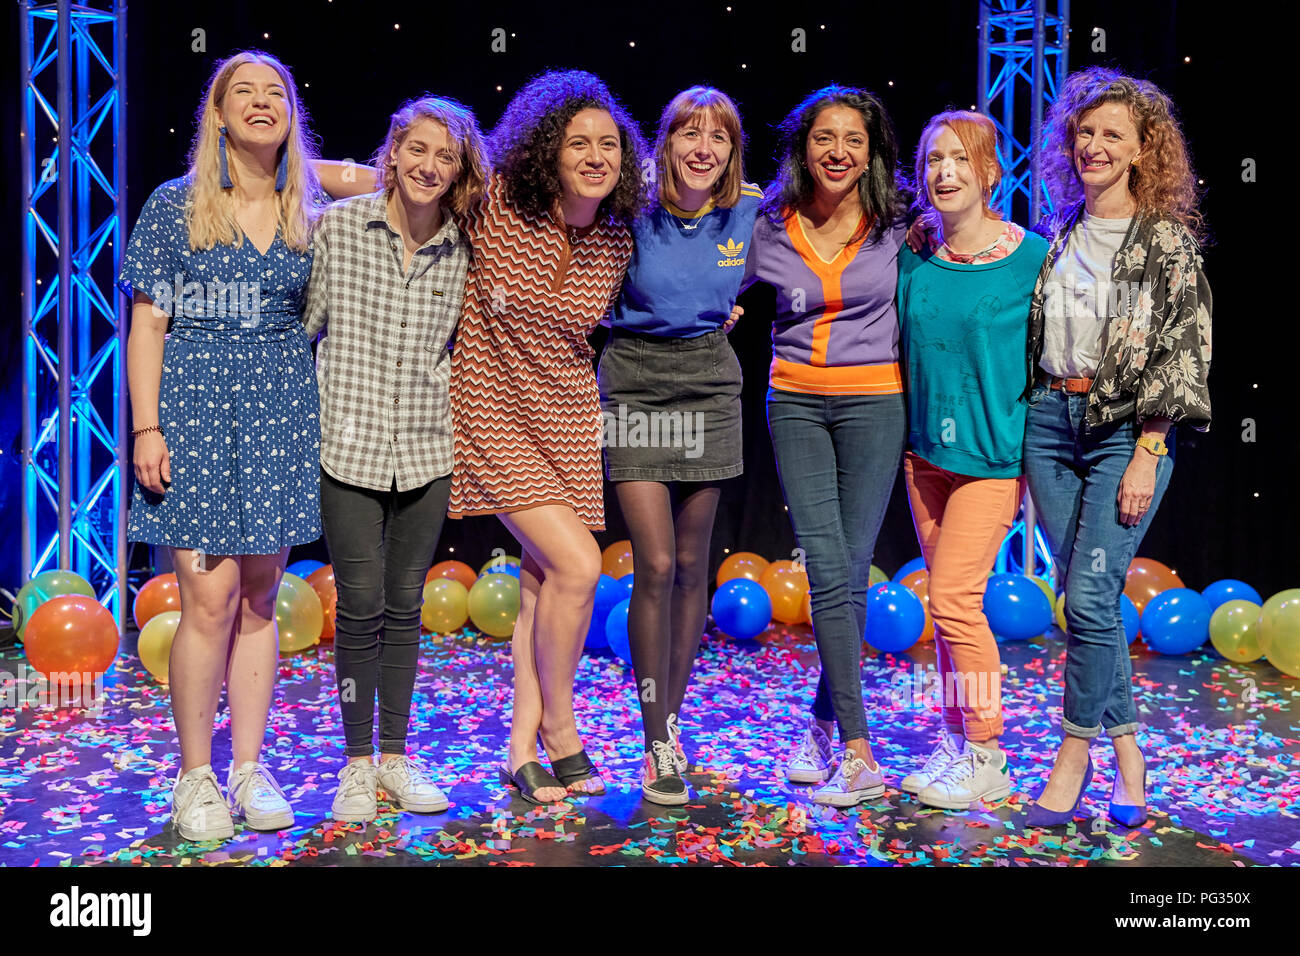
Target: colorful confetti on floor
87	787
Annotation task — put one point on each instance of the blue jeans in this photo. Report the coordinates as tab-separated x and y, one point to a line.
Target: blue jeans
1074	475
837	457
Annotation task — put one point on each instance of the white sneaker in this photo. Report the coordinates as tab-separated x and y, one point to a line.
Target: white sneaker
976	774
409	787
944	753
354	801
198	808
675	740
255	796
852	784
812	759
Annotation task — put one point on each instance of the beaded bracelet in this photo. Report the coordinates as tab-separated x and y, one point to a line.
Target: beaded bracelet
144	431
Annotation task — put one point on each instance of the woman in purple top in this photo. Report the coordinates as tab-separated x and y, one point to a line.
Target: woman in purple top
828	240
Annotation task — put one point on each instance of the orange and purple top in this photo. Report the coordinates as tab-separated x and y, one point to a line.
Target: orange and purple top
836	328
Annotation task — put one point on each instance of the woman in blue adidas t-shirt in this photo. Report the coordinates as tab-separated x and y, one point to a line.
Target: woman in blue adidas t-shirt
670	394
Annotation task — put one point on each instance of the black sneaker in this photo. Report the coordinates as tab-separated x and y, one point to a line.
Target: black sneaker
661	782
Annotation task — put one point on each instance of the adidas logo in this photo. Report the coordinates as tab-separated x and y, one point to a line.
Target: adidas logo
731	253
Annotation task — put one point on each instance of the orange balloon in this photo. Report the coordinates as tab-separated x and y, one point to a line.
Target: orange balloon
807	608
918	582
742	564
1146	578
71	634
456	570
322	582
616	560
787	587
159	594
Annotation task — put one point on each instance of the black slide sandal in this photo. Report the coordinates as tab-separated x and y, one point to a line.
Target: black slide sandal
528	779
576	768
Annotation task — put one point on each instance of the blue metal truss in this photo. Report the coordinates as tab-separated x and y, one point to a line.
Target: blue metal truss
1024	53
74	321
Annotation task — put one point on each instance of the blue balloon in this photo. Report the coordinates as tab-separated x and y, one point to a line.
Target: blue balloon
304	567
510	569
616	632
916	564
1016	607
626	582
742	609
1132	620
895	617
608	594
1229	589
1176	621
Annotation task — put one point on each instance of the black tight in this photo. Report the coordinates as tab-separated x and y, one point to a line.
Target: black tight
670	528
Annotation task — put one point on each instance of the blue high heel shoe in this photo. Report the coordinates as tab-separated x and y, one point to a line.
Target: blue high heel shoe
1127	814
1040	816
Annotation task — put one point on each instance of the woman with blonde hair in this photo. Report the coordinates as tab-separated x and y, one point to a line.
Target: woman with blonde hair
668	360
963	308
388	283
227	432
1119	354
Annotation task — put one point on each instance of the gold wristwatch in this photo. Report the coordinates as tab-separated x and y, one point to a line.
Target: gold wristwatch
1153	445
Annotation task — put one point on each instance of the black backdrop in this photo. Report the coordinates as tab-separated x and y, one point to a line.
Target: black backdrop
1231	510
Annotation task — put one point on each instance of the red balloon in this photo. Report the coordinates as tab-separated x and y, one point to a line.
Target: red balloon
322	582
455	570
71	634
159	594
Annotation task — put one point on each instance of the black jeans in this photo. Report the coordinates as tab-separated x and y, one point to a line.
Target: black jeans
381	544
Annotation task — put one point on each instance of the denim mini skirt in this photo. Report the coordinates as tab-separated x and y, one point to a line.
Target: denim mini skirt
670	407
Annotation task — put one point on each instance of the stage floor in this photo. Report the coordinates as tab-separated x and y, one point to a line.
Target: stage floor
1221	740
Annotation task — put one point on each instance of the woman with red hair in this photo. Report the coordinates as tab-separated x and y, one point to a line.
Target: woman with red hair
963	308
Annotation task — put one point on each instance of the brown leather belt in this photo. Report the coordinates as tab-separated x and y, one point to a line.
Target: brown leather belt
1073	386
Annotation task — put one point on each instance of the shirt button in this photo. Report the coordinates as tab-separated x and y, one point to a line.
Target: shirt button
399	363
396	400
403	324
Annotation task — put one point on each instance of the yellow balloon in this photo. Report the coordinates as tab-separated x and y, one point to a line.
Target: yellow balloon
494	604
1060	611
446	605
876	576
1234	631
298	614
1279	631
155	647
1046	589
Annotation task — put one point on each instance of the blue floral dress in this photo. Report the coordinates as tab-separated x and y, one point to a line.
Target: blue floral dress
237	400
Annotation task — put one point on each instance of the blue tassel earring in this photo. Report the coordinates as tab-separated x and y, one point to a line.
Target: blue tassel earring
226	181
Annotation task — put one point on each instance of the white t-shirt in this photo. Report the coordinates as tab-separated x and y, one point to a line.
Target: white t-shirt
1079	298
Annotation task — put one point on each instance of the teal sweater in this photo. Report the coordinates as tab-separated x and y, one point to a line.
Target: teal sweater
963	333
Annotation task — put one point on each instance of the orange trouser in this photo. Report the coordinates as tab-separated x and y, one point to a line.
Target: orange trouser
960	523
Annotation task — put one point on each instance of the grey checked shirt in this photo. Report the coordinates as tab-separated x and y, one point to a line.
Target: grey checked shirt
384	364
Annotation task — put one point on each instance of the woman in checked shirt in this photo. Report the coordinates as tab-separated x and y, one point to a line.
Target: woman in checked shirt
387	285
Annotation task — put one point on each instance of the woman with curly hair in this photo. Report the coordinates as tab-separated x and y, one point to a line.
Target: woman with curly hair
388	285
828	241
552	240
227	432
668	361
1119	354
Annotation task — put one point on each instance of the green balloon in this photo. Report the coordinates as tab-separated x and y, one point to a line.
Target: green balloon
1279	631
1234	631
41	588
494	604
877	577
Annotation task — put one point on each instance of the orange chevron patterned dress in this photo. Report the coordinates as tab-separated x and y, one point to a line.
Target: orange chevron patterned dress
525	408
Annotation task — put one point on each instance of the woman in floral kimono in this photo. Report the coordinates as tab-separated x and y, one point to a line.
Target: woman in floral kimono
1119	351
